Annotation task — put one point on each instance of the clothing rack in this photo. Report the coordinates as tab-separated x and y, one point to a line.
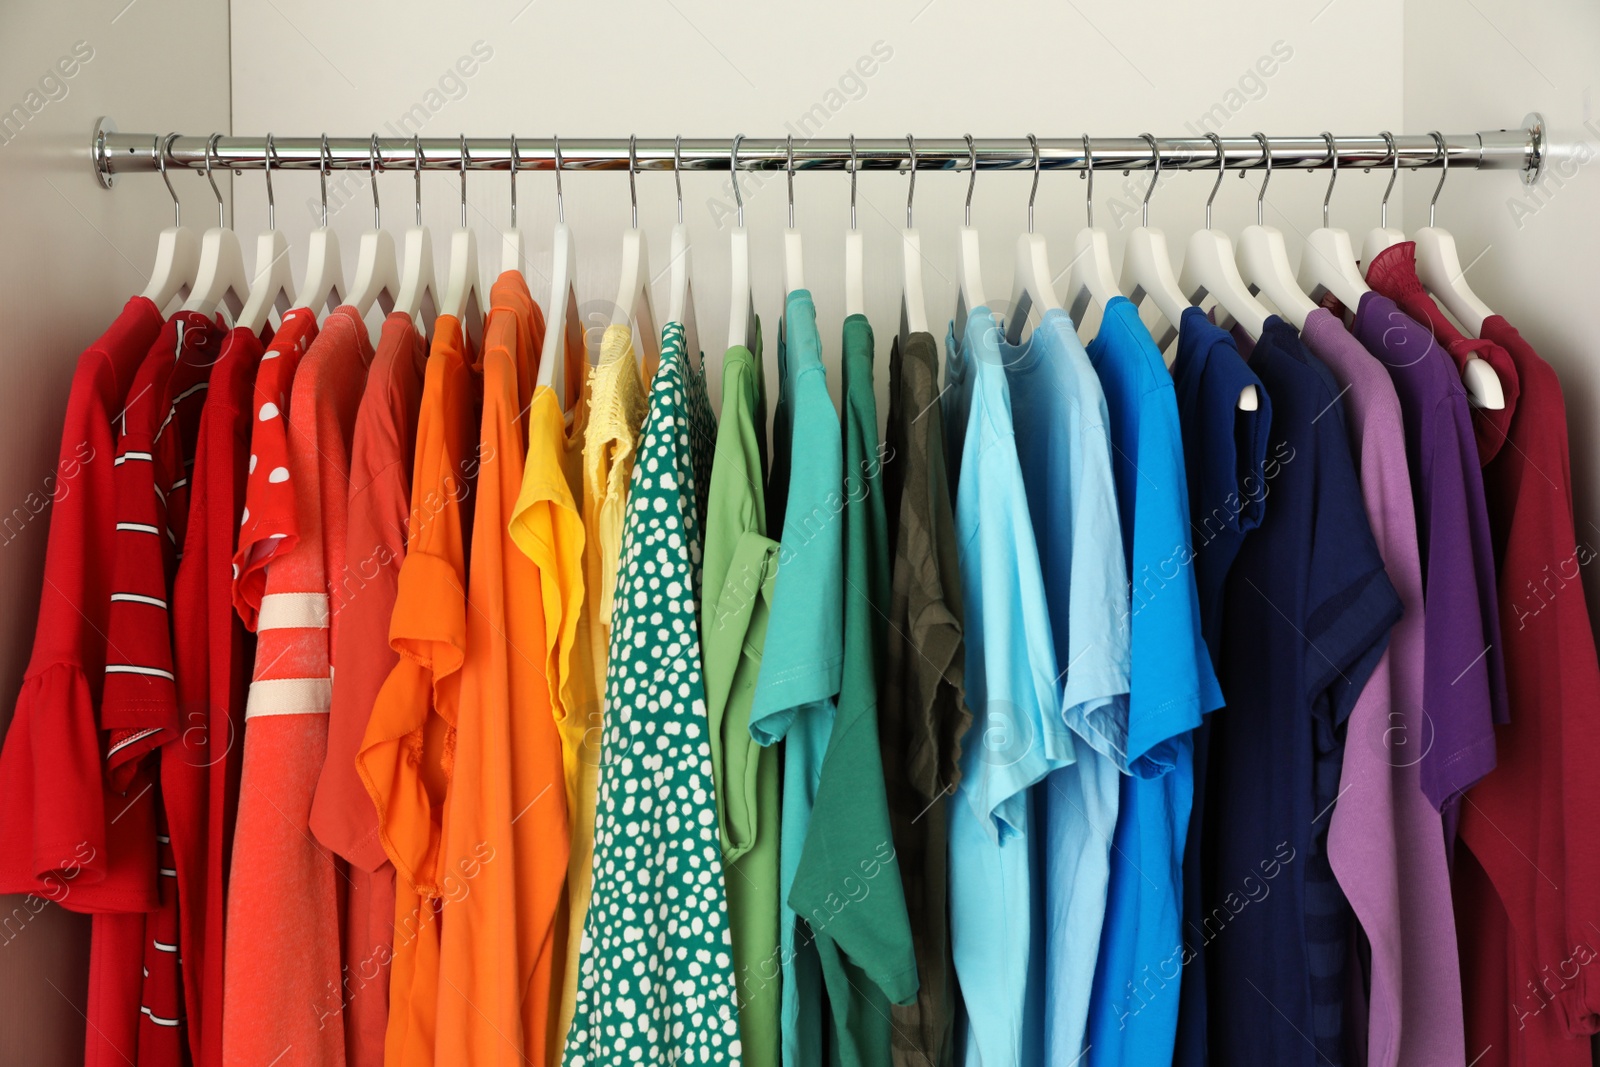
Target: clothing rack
1522	149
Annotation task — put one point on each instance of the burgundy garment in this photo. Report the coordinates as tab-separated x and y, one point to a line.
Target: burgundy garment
1529	915
1463	685
1393	272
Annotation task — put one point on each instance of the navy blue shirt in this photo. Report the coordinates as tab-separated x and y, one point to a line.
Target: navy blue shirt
1308	609
1224	450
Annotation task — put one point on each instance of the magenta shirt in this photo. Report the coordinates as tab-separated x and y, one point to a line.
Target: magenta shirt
1386	842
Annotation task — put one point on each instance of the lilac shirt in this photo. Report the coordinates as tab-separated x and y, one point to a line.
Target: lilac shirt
1385	842
1463	682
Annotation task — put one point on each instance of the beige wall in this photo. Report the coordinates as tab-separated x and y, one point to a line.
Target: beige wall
73	254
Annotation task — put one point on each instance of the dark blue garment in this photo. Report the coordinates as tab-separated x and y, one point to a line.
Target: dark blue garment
1308	609
1224	451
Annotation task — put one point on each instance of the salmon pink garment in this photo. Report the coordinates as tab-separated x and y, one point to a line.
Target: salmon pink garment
283	968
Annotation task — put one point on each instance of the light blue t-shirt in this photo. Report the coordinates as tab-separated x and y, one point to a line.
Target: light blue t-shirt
1017	735
804	655
1133	1013
1059	413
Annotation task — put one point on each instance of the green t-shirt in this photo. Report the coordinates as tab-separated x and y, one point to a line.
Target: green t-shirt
740	563
847	889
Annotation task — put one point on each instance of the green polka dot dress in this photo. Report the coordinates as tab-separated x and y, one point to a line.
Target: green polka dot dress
655	978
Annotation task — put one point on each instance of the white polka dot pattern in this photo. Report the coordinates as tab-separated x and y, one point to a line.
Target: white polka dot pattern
655	983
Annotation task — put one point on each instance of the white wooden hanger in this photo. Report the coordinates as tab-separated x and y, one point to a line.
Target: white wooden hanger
377	272
793	260
1264	261
463	292
273	286
680	306
511	252
634	306
970	277
323	287
177	246
221	278
741	303
418	294
1209	268
563	332
1092	278
1328	265
1033	290
913	309
1147	265
855	298
1439	267
1383	236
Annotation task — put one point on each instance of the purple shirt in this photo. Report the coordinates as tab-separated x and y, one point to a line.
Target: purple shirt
1385	842
1463	678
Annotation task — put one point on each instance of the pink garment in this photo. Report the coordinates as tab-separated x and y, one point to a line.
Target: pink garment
1386	841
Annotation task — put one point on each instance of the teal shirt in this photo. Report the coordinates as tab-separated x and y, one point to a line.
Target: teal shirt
847	889
801	670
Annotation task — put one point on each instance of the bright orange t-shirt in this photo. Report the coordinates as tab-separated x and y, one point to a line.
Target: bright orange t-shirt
507	815
406	754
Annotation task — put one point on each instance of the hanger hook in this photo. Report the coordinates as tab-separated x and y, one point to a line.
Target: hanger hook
466	157
1444	163
733	176
1088	172
159	149
852	181
789	166
211	147
1222	170
416	172
972	179
1333	161
1033	142
633	192
561	205
911	190
374	165
1149	190
270	158
1261	194
516	163
322	177
677	172
1394	172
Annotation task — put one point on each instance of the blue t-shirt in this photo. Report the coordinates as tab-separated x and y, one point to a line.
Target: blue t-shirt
1018	735
1133	1014
1309	609
1225	450
803	658
1064	447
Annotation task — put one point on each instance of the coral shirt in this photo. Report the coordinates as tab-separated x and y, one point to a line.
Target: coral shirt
508	806
342	815
200	767
55	841
283	966
1528	895
407	752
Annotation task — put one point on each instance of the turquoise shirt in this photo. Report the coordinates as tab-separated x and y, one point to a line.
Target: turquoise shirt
803	659
1018	735
1133	1014
1059	414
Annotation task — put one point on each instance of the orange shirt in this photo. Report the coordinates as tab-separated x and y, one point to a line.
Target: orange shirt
406	754
507	816
283	984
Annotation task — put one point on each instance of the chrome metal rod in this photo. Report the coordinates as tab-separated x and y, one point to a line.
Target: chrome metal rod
1521	149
